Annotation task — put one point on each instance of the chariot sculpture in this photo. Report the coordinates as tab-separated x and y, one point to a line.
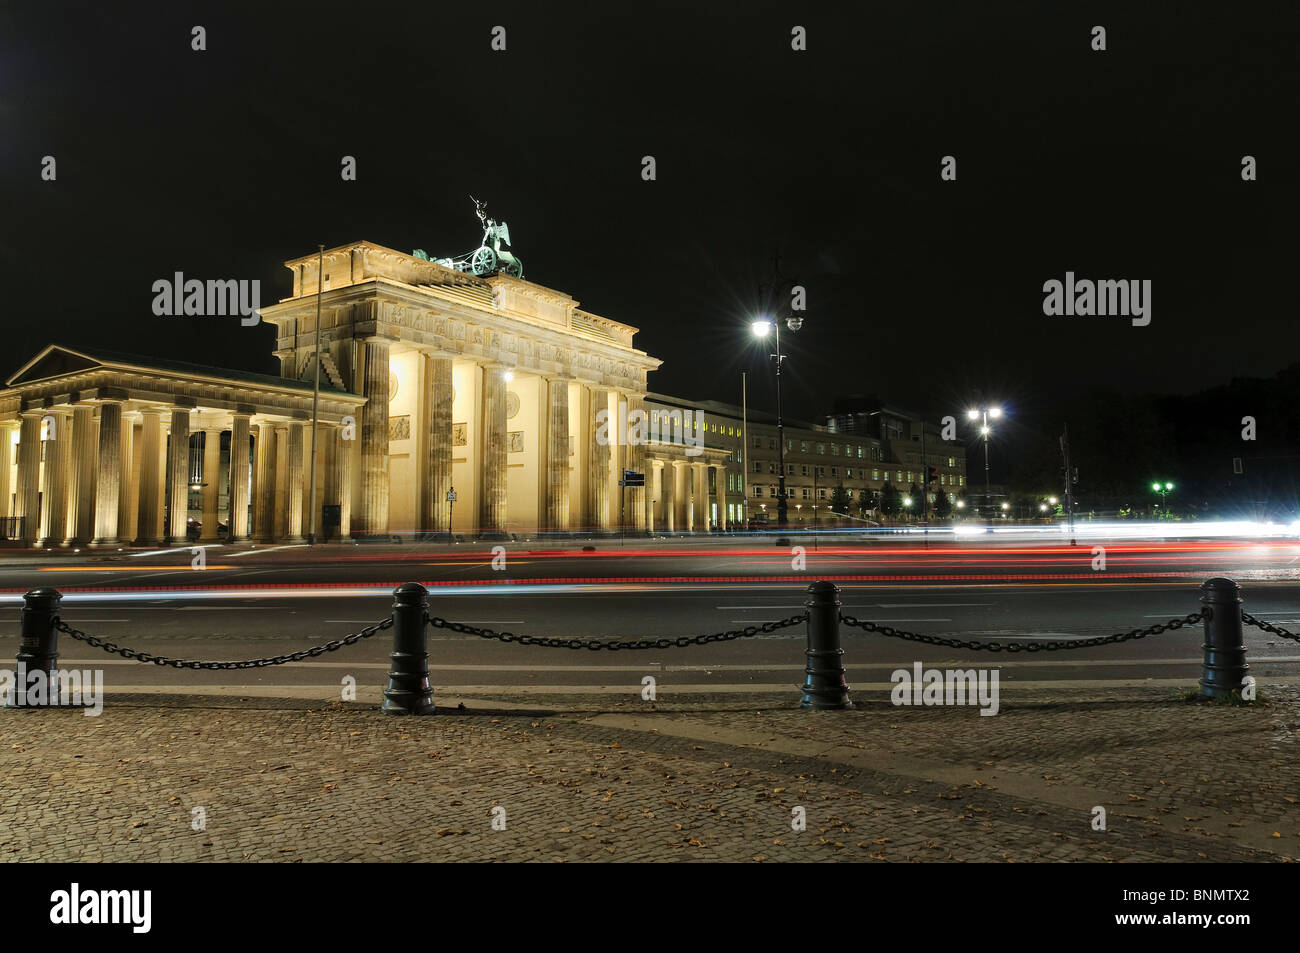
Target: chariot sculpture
490	257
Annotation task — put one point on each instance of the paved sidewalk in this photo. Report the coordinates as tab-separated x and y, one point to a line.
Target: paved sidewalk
595	779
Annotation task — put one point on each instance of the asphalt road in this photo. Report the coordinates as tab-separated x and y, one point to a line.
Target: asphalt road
257	602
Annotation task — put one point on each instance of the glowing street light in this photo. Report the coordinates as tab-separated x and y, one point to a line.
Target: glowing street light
761	328
983	414
1162	489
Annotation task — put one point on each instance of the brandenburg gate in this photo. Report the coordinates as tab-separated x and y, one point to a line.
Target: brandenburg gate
431	378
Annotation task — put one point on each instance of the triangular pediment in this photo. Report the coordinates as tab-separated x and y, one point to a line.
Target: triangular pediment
54	361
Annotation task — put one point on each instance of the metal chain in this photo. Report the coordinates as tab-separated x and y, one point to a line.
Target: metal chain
139	656
1249	619
1028	646
594	645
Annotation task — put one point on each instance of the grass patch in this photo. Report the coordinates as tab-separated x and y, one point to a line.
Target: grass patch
1233	698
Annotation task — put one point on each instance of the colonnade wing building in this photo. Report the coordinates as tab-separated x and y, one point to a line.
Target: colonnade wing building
432	380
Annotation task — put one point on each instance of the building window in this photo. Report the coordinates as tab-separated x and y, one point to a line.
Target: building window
758	443
875	474
848	473
834	472
821	471
803	446
821	493
803	470
771	443
821	449
758	466
758	489
805	493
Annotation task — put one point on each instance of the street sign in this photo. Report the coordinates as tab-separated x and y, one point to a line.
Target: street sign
451	496
632	478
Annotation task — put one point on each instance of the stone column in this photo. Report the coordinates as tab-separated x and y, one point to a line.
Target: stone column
344	461
264	521
557	455
211	485
237	492
604	432
436	465
720	494
128	497
7	428
373	516
178	468
54	508
81	477
492	443
280	503
28	499
669	496
108	473
638	497
149	524
701	494
294	501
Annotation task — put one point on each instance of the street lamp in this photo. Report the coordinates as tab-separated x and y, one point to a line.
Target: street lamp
1163	489
983	415
761	329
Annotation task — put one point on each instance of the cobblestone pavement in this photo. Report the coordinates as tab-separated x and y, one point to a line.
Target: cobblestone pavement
713	780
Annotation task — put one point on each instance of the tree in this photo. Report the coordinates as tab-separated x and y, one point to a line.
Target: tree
890	501
942	505
841	500
867	501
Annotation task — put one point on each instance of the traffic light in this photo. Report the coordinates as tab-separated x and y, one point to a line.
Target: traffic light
932	474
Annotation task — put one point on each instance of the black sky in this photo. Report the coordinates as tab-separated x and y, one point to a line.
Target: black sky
1121	164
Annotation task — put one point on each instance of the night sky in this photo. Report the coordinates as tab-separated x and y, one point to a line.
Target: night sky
1117	164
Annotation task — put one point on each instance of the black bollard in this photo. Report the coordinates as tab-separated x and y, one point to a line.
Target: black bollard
1225	652
824	686
39	648
409	691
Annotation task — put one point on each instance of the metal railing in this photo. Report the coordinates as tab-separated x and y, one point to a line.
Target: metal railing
409	691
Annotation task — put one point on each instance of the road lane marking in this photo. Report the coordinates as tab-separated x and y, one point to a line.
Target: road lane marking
921	605
653	666
267	549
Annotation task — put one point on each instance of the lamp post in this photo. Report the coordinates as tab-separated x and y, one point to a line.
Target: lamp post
1163	489
983	414
762	328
